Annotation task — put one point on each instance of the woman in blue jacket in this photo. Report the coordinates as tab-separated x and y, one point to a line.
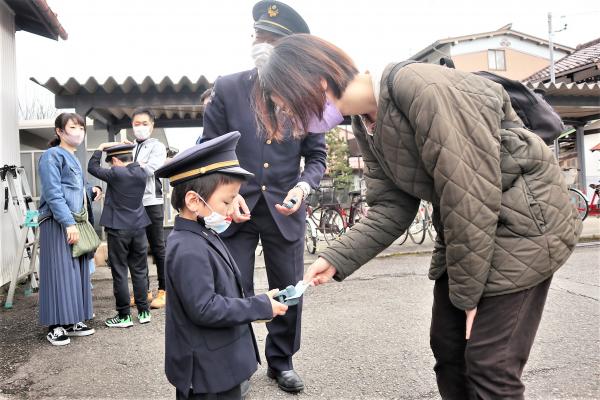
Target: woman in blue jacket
65	296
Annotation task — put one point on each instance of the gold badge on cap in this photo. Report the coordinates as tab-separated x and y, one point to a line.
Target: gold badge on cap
273	11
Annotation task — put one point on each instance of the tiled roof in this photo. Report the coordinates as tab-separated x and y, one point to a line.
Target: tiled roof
585	56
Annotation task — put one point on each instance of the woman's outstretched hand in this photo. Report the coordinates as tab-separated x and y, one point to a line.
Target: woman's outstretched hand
321	271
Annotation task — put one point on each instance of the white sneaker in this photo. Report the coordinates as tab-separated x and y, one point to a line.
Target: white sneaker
58	337
80	329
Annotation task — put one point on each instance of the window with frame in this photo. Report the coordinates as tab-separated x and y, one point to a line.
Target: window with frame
496	60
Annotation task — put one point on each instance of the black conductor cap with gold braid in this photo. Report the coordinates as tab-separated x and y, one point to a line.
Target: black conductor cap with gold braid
118	150
278	18
215	155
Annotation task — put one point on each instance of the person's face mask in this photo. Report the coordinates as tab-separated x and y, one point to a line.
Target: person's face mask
215	221
332	117
73	136
260	54
141	132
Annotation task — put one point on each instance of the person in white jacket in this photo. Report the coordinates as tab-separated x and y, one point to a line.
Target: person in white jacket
151	154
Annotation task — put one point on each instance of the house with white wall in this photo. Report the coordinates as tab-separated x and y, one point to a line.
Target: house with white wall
506	52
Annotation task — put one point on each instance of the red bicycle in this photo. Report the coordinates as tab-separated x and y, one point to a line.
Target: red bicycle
584	207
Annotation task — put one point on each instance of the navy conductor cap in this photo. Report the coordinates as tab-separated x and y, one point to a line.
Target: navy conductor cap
216	155
119	149
278	18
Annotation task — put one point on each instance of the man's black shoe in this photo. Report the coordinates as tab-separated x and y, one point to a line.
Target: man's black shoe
288	381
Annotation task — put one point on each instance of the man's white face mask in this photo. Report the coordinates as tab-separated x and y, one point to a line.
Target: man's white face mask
260	53
141	132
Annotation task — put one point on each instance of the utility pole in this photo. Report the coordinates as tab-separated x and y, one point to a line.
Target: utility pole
552	73
552	76
551	45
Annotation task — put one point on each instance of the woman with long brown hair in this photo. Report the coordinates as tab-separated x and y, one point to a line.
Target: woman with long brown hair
501	209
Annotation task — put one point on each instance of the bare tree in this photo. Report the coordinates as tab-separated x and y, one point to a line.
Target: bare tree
35	109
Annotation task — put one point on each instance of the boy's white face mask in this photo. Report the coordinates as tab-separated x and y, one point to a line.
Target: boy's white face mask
215	221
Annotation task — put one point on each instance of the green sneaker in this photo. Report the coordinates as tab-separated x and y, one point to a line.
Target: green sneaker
144	317
119	322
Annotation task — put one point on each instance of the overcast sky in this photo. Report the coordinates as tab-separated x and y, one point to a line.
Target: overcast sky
207	37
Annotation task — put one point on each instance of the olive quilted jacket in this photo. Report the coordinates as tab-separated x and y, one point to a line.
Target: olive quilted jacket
501	207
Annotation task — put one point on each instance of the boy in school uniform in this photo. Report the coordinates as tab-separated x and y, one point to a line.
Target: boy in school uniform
210	349
124	219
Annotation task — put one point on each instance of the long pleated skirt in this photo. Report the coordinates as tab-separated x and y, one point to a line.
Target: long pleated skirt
65	294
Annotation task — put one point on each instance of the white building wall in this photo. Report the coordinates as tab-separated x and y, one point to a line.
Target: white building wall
501	41
9	133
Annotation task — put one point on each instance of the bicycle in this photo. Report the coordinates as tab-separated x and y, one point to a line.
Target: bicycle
310	238
422	224
358	208
581	204
333	222
326	219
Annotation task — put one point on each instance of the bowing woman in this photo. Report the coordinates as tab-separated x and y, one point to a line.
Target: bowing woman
501	208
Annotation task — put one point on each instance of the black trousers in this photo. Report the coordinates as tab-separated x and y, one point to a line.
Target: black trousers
156	239
128	250
284	263
231	394
488	365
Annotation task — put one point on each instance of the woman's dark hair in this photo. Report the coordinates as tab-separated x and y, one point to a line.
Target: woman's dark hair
61	122
293	75
143	110
205	186
123	157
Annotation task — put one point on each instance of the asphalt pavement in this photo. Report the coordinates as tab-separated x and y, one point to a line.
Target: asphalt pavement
364	338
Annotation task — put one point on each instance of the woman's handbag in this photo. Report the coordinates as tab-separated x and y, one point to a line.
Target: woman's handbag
88	239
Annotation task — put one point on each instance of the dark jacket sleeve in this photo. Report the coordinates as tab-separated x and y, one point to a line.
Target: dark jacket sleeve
215	115
96	170
196	291
391	212
315	157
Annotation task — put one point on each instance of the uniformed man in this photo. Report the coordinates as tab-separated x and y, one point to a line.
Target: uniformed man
277	181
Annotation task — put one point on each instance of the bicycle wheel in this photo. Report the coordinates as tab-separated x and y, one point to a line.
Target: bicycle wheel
431	232
310	239
403	237
579	201
333	224
429	225
359	211
417	231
